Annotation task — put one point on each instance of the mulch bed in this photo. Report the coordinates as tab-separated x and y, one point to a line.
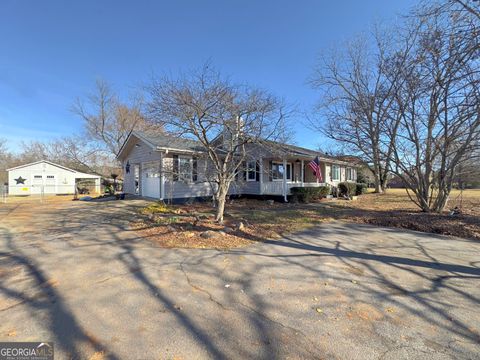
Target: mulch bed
248	221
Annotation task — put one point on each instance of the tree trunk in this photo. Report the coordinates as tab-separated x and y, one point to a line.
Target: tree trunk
378	183
221	195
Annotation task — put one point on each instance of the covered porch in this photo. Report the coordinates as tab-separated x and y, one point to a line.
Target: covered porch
278	176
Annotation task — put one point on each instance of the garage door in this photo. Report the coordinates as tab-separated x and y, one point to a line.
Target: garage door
37	184
50	184
151	179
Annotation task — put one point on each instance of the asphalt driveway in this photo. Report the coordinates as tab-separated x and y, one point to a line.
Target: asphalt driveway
75	274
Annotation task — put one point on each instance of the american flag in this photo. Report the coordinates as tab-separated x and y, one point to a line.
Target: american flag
315	165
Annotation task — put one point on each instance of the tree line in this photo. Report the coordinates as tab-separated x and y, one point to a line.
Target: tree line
406	100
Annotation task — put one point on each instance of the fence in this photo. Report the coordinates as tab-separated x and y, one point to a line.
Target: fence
43	192
3	193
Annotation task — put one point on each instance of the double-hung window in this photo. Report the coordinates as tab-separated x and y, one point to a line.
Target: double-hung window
278	169
251	170
335	173
185	169
350	174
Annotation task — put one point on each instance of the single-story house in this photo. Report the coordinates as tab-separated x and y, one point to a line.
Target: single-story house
45	177
147	161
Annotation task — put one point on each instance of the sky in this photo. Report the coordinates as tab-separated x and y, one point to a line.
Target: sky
52	52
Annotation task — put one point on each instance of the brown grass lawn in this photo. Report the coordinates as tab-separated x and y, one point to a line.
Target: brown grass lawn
183	225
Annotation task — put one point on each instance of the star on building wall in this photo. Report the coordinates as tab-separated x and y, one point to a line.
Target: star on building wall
20	180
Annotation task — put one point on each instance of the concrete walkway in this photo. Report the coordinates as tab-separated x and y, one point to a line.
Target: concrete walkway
73	273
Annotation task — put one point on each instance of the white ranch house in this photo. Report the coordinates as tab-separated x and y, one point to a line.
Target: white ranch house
44	177
147	162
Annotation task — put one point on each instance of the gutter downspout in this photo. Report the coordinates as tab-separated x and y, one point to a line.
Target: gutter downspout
260	169
162	178
285	180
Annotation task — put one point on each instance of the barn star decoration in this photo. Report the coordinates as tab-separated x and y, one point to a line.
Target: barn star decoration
20	180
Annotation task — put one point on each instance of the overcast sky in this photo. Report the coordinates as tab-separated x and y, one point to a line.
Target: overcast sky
53	51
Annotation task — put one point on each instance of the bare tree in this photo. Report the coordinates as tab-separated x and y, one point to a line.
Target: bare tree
75	152
225	118
109	121
7	160
356	88
468	9
439	109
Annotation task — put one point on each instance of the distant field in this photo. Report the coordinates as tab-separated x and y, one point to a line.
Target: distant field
395	209
397	199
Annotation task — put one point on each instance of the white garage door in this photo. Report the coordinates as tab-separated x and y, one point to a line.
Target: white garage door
37	184
151	179
50	182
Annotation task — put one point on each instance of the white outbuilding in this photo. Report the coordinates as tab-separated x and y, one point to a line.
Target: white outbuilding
45	177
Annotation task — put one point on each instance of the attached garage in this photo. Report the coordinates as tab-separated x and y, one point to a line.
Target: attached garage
45	177
151	179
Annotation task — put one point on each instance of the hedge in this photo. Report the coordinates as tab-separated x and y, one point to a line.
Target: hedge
361	189
309	194
349	189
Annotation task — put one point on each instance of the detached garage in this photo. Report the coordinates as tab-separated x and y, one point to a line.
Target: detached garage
45	177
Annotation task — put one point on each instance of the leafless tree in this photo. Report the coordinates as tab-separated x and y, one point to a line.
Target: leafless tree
224	117
109	121
439	109
356	88
75	152
7	160
468	9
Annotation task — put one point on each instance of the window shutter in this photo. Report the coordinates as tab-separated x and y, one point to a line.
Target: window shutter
270	169
245	171
175	168
257	171
194	169
293	171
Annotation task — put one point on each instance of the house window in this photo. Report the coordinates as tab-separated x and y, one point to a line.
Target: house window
335	173
350	174
251	170
185	168
278	170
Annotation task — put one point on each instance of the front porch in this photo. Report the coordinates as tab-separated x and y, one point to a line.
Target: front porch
278	176
279	188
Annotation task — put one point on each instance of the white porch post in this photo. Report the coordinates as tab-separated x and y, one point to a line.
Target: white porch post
302	170
162	178
97	185
260	177
285	179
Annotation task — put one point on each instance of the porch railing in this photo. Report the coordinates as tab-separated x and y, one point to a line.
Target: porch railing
276	187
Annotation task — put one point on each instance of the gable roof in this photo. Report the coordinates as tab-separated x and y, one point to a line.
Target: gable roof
42	161
78	174
163	142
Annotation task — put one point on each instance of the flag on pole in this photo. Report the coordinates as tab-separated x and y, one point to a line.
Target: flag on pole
315	165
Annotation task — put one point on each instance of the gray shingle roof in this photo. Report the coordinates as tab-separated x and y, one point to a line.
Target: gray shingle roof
172	142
